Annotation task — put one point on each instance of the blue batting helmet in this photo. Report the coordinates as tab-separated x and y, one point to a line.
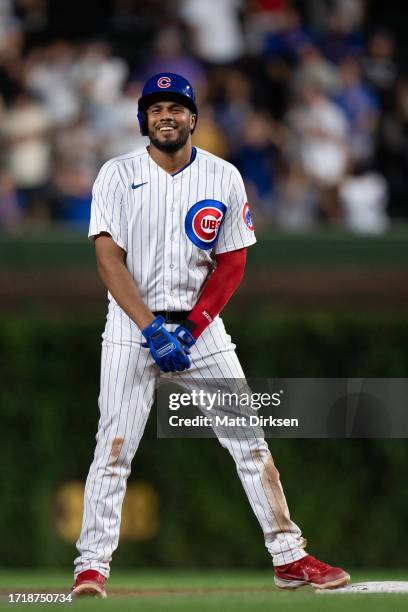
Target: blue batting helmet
165	86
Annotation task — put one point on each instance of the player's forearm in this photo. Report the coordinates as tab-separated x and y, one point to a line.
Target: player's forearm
218	290
117	279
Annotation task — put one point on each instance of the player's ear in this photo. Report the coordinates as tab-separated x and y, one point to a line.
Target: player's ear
193	120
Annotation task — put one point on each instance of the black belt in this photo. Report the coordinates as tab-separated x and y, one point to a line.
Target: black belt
173	316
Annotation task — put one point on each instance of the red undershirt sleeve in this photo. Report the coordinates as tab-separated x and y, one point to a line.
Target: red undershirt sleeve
218	289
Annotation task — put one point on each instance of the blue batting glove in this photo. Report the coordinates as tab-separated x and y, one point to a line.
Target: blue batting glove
165	349
185	337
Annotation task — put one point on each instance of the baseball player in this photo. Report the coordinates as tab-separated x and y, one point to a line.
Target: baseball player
171	225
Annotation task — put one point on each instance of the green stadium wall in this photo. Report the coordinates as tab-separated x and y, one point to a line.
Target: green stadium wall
348	495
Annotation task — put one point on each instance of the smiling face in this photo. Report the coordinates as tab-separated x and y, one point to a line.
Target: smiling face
169	125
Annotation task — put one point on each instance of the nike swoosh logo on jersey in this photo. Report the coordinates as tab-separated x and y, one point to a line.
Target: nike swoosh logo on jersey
139	185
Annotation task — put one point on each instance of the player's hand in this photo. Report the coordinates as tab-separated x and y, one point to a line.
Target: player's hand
185	337
165	348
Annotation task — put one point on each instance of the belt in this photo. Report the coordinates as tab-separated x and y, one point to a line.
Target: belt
173	316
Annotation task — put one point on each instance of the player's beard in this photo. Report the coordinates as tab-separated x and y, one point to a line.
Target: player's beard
173	145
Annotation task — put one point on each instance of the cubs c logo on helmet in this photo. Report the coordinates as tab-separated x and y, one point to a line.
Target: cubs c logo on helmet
246	215
203	221
164	82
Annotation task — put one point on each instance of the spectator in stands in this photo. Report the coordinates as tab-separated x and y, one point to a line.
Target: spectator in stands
380	69
77	158
115	126
256	159
208	134
49	76
297	200
215	29
280	54
360	105
97	75
286	41
319	144
233	104
364	198
343	36
27	130
313	66
73	183
170	56
261	18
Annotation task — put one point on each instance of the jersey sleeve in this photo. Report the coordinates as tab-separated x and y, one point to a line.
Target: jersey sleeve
108	212
237	230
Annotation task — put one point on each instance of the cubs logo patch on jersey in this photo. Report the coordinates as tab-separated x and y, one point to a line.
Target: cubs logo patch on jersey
246	215
203	222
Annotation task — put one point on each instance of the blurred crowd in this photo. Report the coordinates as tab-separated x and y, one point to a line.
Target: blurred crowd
308	99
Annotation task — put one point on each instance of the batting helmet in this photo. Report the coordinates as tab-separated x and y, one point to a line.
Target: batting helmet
165	86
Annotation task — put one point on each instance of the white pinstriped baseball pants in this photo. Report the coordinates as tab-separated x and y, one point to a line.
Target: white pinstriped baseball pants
128	380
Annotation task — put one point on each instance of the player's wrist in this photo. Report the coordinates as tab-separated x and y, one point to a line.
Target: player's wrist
189	324
184	336
199	320
152	327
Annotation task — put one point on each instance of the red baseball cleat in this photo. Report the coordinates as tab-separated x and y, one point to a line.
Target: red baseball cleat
310	571
89	583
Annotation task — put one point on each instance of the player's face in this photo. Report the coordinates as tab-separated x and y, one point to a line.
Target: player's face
169	125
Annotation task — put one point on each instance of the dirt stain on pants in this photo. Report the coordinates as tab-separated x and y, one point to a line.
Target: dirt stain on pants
116	448
272	486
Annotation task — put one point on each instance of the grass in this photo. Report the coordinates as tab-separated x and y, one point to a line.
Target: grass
205	591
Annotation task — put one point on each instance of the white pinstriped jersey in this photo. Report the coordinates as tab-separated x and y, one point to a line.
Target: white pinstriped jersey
170	226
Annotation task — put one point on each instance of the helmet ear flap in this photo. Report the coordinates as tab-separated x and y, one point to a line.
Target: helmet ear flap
142	117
